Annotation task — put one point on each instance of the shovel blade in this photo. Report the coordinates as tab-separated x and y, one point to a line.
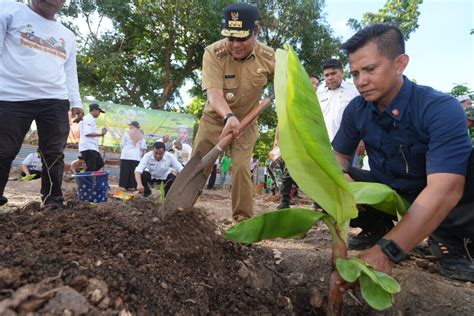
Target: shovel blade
188	184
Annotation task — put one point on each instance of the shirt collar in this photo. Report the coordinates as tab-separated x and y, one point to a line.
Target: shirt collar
399	104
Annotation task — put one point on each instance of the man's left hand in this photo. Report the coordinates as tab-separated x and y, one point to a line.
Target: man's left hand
78	113
376	258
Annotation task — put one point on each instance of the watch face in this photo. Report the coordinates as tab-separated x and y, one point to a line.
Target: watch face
393	249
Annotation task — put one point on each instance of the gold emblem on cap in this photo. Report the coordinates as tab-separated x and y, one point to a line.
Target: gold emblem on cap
229	96
234	15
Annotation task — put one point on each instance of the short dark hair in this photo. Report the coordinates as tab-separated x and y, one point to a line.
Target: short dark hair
332	63
159	145
388	38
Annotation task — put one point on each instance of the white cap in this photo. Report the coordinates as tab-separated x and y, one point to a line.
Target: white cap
463	98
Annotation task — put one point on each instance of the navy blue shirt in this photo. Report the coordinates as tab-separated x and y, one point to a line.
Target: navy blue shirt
422	131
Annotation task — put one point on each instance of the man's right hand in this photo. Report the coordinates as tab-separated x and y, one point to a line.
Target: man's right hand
78	113
232	126
141	189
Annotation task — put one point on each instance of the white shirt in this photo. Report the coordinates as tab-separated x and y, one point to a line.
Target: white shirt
159	169
131	151
333	103
33	161
86	127
37	57
184	154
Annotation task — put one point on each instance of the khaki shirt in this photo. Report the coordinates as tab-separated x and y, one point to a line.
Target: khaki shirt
242	81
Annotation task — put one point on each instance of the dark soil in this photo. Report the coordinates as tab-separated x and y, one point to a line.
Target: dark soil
144	266
118	258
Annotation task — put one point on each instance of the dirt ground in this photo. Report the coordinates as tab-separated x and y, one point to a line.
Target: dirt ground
118	258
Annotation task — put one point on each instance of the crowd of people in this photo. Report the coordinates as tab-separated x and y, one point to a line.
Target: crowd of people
415	137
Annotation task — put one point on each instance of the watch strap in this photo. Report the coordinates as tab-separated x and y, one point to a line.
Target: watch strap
393	251
227	116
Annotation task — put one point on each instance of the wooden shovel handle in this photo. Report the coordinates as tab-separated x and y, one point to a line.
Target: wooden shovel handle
248	119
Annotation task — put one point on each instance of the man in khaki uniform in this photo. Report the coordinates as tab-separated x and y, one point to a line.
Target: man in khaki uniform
235	72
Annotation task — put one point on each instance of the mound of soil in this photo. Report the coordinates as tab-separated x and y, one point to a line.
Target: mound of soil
120	257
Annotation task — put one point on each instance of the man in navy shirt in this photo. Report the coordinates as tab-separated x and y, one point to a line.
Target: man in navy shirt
417	144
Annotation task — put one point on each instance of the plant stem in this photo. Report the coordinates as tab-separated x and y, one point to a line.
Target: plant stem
339	250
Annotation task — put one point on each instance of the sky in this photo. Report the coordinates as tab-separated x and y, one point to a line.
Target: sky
441	50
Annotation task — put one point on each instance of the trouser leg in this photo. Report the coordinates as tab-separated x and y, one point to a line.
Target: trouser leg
458	226
212	178
169	182
286	185
242	186
146	181
16	120
90	158
53	129
99	161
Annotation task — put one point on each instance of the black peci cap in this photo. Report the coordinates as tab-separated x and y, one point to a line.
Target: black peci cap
239	20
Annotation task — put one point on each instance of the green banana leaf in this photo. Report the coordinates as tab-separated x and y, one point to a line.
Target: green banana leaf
379	196
376	287
28	178
304	141
287	223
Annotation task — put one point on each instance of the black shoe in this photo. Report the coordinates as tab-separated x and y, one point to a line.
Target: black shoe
452	263
365	239
54	202
146	194
283	205
3	200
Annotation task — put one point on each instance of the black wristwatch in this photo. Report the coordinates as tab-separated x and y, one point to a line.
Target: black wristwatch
392	250
227	116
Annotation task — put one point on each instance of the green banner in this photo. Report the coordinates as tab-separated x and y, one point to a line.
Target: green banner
153	123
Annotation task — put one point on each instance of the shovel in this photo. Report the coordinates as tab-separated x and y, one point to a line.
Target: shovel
188	184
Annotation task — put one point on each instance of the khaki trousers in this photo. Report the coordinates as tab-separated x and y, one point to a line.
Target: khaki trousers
241	152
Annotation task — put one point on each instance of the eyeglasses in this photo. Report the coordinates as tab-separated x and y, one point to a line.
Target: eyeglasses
238	39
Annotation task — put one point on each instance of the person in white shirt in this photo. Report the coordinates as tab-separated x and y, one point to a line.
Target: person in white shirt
182	152
89	139
32	165
155	167
334	95
133	145
38	81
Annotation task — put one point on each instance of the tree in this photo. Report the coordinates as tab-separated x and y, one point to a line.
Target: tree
155	46
461	89
403	13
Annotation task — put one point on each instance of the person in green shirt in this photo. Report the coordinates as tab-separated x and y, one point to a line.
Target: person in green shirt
226	162
470	121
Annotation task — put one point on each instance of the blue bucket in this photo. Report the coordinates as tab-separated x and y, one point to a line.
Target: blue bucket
92	186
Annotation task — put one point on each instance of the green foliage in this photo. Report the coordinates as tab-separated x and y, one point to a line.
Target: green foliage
155	46
288	223
264	144
379	196
461	89
161	189
403	13
376	287
304	141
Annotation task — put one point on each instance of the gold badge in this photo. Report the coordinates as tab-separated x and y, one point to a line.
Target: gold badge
234	15
235	24
230	97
